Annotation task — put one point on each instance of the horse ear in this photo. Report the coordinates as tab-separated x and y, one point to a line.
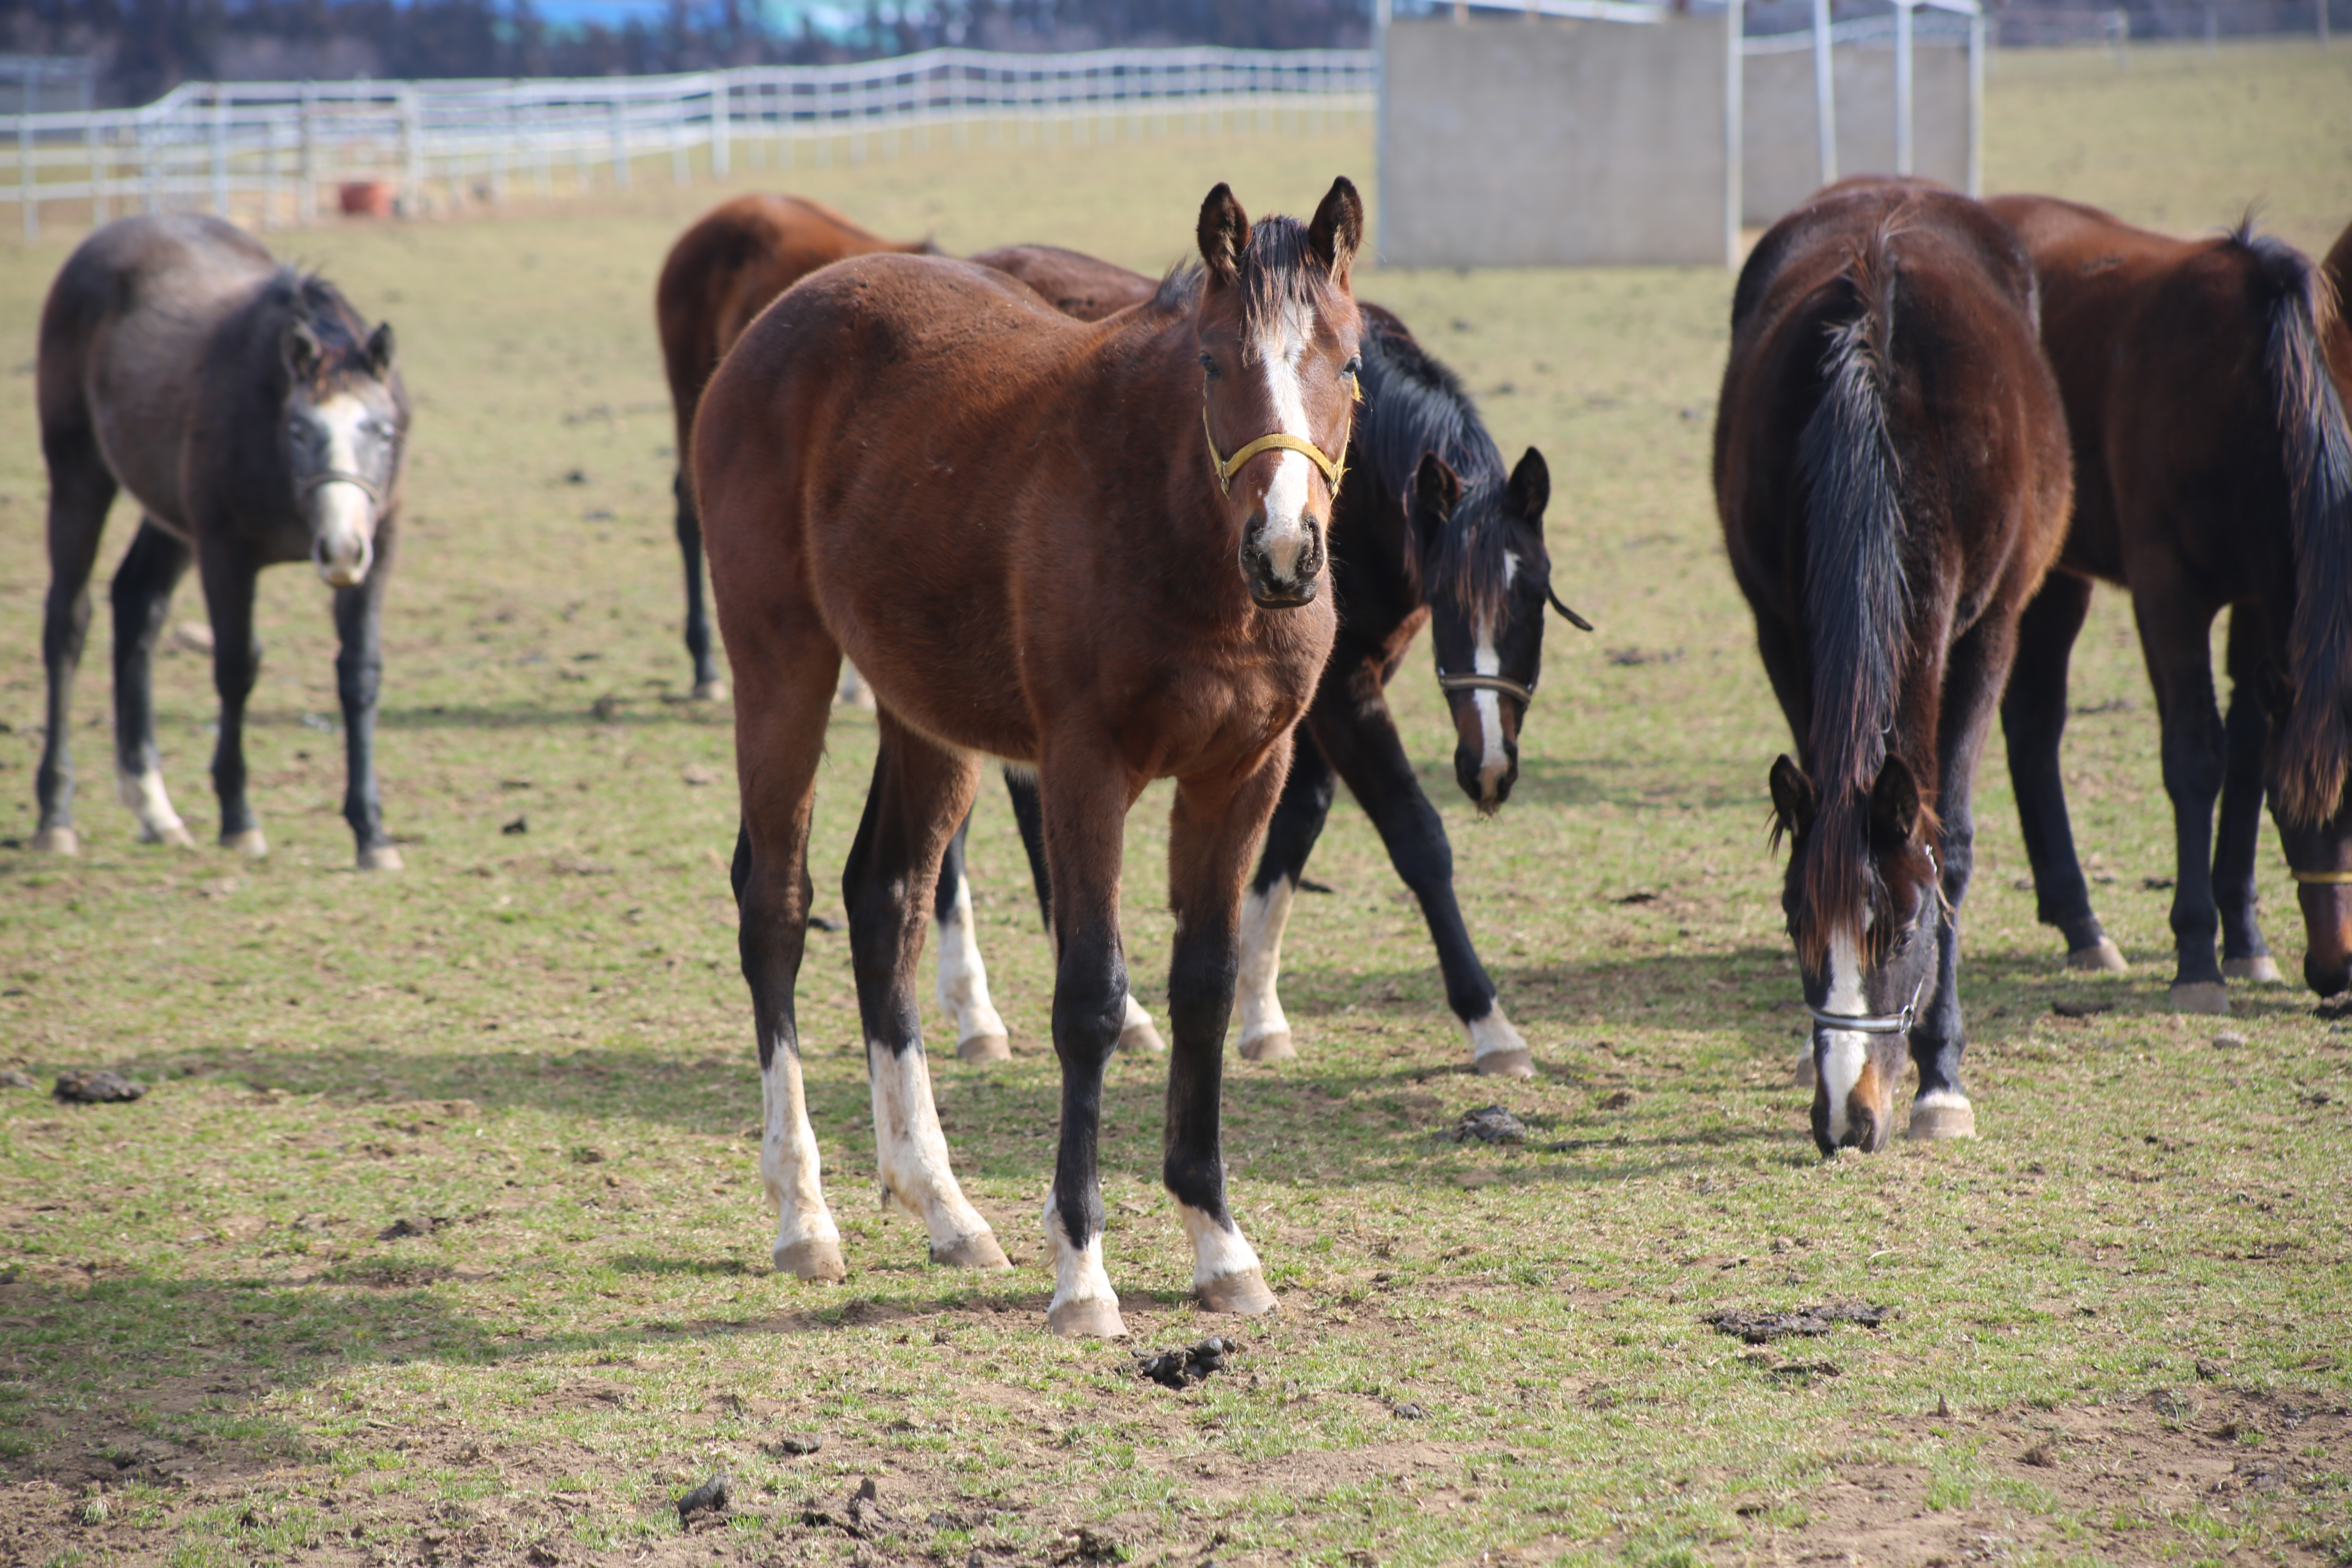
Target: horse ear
302	350
1339	228
378	349
1223	234
1795	801
1895	810
1529	490
1435	491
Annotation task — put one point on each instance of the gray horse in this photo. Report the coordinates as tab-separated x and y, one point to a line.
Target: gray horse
255	418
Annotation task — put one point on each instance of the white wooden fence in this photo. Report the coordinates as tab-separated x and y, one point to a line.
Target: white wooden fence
276	153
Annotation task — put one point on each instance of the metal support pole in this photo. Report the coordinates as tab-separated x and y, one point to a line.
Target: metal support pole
722	105
220	152
1824	92
1383	11
25	166
306	199
412	150
1734	146
2323	24
1976	103
1903	87
620	148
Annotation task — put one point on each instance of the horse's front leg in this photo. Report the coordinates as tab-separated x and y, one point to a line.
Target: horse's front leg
359	677
1362	743
2175	636
1136	1032
1299	814
228	578
2244	954
1084	792
2033	719
142	596
1211	832
920	792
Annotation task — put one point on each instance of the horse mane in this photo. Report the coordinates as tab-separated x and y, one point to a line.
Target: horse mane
308	298
1180	289
1412	406
1856	590
2316	751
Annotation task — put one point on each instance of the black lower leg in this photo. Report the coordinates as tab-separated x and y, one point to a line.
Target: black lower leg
151	569
1298	817
359	678
2193	746
237	661
2238	832
690	550
1021	788
2033	719
1201	977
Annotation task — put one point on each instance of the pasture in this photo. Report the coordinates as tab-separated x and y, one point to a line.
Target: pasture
439	1235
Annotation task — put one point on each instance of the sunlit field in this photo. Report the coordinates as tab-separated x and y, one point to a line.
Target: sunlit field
439	1235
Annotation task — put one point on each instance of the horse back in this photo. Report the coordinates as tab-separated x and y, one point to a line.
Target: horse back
127	336
1079	286
2337	269
1945	298
729	265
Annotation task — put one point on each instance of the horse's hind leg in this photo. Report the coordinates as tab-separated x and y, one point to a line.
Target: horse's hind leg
2033	719
142	596
2244	954
779	739
920	792
1136	1032
963	974
82	489
708	686
1210	833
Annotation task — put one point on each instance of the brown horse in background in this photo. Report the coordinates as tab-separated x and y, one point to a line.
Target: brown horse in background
1029	534
724	270
1891	470
2212	471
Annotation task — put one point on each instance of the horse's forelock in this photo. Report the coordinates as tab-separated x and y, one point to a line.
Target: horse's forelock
1412	406
1279	270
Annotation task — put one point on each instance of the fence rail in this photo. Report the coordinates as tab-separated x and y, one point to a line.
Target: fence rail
271	151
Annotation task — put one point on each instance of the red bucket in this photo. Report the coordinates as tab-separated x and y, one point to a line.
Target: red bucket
366	198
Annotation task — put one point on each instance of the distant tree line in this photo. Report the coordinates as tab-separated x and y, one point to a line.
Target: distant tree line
144	47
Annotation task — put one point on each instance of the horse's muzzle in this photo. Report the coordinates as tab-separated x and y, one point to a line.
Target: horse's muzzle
1274	588
1487	794
341	565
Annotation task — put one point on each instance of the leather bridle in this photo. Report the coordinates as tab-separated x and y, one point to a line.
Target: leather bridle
320	479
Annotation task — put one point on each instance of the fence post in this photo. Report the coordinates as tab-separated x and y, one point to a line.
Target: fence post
620	148
220	151
306	199
722	105
25	165
2323	24
1735	72
1975	187
1903	87
1825	91
411	149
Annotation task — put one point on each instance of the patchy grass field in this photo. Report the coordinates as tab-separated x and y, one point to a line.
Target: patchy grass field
2120	1332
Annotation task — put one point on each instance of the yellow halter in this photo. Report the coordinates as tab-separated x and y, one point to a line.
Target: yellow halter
1227	467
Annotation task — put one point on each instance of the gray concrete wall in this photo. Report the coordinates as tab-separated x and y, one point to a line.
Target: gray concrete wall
1515	142
1782	161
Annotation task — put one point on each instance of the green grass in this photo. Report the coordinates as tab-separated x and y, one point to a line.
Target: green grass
541	1037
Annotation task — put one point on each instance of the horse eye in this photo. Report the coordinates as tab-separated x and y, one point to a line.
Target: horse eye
1354	367
1209	362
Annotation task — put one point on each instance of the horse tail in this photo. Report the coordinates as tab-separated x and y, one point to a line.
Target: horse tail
2316	752
1855	595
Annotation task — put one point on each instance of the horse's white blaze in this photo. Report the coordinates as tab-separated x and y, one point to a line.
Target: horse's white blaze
789	1166
1079	1272
963	977
144	794
342	516
916	1175
1287	531
1219	1251
1846	1052
1493	762
1491	1033
1263	917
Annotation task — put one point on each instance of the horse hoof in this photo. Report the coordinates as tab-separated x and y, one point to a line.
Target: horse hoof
985	1048
815	1259
1274	1047
177	836
56	841
1805	1077
383	858
711	690
2262	971
1095	1320
1505	1064
976	1251
2106	958
1144	1039
1932	1121
1244	1294
250	843
2200	996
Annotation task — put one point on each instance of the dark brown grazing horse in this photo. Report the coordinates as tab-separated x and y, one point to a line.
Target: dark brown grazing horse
1096	548
724	270
256	419
1891	470
2212	471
